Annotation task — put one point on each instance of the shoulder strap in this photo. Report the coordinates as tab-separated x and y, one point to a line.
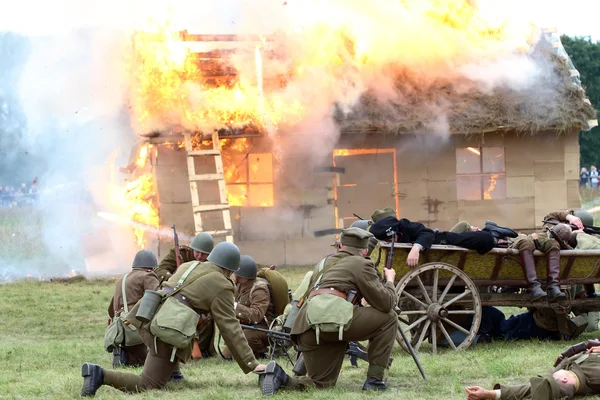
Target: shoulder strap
321	270
180	284
124	294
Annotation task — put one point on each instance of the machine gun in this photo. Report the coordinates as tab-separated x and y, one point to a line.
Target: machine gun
591	230
279	340
576	349
176	243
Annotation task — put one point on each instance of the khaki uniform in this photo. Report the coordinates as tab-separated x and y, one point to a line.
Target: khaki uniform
138	281
545	243
254	307
376	323
210	294
462	227
168	265
586	367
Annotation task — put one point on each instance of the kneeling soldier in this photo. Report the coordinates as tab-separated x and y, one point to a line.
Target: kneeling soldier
128	291
206	289
252	305
326	322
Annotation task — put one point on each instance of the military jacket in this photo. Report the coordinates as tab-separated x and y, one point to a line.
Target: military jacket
254	304
138	280
350	272
586	367
213	294
558	216
168	265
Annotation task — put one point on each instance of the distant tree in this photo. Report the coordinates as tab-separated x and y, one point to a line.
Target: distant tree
585	54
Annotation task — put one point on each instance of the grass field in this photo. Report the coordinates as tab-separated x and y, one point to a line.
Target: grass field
49	329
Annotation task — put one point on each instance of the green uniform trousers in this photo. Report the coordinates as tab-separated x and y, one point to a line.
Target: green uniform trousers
461	227
155	375
324	360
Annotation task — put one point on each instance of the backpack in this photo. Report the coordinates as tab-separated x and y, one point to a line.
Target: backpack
175	323
118	333
279	289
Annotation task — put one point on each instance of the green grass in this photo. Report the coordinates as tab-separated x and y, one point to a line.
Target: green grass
49	329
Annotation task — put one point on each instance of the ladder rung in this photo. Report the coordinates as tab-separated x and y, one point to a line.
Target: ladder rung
209	152
206	177
218	233
210	207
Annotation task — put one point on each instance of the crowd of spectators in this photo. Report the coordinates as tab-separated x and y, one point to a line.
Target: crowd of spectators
18	196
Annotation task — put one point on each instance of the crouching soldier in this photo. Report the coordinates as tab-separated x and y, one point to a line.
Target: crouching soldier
326	321
198	250
128	291
200	288
252	306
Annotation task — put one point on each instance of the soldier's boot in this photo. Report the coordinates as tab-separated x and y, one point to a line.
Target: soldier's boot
590	291
528	264
553	270
117	357
93	378
176	376
274	379
577	326
374	384
499	232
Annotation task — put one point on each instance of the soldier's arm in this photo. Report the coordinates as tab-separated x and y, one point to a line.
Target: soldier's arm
111	308
259	303
380	296
222	312
558	216
513	391
151	281
167	266
419	233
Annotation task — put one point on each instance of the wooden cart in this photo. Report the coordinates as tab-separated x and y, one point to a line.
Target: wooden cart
453	283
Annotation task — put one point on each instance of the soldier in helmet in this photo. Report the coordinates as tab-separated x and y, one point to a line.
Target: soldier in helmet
134	283
210	291
326	321
253	306
198	250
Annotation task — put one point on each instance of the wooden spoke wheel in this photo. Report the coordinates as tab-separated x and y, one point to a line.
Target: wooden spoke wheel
430	308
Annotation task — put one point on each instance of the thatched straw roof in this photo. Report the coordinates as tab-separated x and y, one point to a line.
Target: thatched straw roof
555	102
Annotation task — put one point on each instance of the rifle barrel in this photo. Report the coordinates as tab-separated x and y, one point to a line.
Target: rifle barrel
277	335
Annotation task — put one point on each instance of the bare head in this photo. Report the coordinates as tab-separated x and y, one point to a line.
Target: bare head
567	382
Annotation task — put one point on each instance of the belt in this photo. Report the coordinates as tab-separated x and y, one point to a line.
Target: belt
181	298
327	291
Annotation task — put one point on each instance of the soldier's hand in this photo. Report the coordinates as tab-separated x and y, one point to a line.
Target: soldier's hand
390	274
595	349
575	221
413	256
478	393
260	368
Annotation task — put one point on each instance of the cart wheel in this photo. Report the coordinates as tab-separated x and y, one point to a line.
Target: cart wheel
425	312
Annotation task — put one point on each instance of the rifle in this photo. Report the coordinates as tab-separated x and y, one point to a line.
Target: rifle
388	265
576	349
591	230
358	216
176	242
279	339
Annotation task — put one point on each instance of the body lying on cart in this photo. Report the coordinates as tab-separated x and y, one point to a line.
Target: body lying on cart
453	283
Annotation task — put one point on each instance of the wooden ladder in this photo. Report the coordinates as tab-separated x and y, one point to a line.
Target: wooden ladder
197	208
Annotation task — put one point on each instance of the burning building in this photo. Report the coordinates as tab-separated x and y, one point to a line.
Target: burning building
234	148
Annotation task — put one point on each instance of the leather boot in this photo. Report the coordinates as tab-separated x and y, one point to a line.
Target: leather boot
499	232
176	376
93	378
274	379
553	270
528	264
374	384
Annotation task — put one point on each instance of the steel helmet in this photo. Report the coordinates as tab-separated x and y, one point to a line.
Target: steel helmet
585	217
203	242
145	259
225	255
247	267
361	223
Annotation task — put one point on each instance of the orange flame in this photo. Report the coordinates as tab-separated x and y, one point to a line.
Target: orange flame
136	199
487	195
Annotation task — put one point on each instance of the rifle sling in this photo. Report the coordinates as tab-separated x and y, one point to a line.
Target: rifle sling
124	294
